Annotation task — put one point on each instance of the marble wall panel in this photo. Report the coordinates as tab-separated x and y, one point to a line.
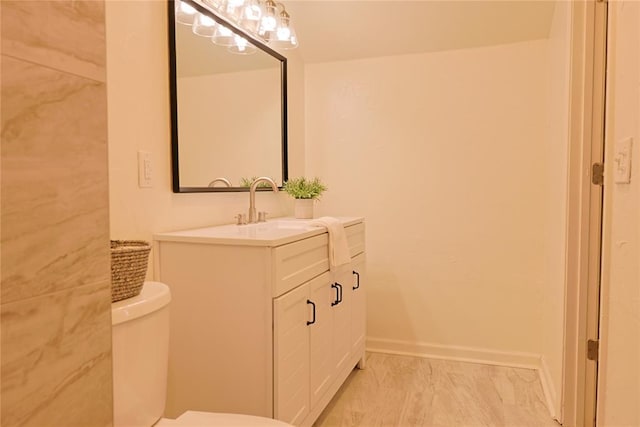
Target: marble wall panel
55	318
54	191
56	368
66	35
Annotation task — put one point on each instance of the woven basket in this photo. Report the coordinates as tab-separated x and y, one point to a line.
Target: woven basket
129	260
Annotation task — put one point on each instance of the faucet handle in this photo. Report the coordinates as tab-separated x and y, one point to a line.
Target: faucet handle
242	219
262	216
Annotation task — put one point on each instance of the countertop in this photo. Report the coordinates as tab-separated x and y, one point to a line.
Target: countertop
273	232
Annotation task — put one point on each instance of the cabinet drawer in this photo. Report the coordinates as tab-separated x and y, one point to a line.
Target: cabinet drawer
355	238
297	262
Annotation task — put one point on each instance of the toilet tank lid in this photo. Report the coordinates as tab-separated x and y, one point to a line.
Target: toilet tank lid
153	297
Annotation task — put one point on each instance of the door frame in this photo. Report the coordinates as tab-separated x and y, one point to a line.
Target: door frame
584	211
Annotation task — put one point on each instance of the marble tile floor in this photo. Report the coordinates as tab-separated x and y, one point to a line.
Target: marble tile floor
409	391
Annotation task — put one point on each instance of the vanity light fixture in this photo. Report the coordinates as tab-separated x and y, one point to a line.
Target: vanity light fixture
267	20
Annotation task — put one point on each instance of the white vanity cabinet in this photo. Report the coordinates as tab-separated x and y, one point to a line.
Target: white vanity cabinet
318	337
259	323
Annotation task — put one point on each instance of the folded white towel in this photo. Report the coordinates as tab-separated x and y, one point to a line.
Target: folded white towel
338	247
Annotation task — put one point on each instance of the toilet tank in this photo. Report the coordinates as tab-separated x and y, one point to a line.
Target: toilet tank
140	334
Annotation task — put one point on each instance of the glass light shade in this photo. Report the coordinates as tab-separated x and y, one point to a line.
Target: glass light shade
216	4
222	36
250	16
242	46
234	9
185	13
293	41
204	26
269	20
268	23
283	34
285	38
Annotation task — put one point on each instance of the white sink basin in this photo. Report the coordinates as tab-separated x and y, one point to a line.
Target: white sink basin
260	230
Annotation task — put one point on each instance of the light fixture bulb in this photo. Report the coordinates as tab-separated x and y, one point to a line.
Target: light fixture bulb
235	3
285	38
269	23
283	33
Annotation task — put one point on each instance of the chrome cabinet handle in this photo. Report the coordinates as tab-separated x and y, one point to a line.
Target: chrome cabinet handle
357	280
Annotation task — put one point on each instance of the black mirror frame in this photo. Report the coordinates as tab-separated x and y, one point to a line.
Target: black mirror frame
174	99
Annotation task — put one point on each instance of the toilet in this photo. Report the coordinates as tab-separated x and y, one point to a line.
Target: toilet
140	330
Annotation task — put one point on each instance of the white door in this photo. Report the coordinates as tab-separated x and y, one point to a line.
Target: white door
291	312
584	229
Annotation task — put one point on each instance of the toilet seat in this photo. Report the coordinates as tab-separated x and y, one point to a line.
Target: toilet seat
214	419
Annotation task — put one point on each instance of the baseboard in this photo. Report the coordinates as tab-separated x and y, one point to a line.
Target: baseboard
548	388
449	352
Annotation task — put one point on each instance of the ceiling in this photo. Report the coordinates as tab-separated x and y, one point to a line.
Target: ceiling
335	30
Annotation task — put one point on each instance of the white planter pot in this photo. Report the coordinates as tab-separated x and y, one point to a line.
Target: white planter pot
304	208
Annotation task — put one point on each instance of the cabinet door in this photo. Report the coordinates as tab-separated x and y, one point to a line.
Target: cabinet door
320	335
291	313
341	309
358	302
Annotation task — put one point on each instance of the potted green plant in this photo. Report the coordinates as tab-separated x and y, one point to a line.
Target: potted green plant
305	191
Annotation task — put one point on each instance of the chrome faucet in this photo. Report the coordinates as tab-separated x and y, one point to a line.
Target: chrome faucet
225	181
253	217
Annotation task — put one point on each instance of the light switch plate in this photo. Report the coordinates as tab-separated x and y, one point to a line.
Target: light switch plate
622	161
145	170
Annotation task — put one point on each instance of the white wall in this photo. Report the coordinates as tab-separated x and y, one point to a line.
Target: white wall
619	386
138	98
448	155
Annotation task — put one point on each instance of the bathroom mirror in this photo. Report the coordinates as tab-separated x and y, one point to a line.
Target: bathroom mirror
228	110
